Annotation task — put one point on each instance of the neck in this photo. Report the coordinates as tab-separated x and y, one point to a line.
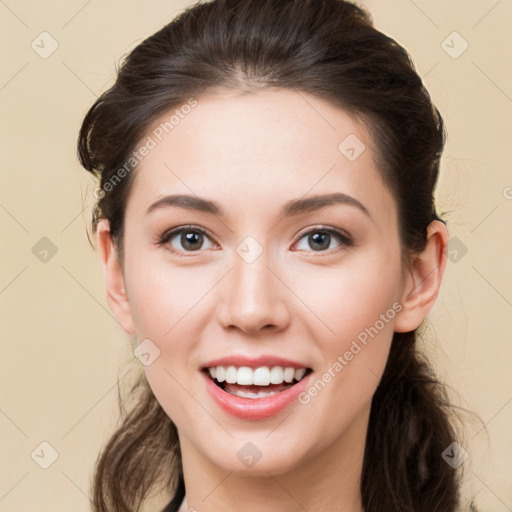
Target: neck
327	481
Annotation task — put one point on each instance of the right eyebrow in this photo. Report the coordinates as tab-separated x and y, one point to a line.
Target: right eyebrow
188	202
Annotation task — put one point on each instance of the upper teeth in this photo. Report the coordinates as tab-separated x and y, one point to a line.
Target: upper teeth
262	376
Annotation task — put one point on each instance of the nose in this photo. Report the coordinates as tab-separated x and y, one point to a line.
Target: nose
253	297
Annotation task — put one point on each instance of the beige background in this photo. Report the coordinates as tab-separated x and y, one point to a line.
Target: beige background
61	350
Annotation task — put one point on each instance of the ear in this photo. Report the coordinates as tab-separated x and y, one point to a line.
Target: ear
114	278
424	279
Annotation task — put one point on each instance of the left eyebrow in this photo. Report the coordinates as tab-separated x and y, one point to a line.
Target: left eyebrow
290	208
317	202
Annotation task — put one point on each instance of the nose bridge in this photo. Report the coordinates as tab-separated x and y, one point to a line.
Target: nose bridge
254	297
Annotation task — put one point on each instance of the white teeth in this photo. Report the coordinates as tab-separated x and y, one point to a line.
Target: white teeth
249	394
221	373
231	375
289	374
300	373
262	376
276	375
244	376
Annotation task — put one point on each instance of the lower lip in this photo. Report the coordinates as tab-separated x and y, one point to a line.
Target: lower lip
254	408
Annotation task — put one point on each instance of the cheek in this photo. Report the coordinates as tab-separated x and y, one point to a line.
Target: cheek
357	305
171	306
165	384
351	298
165	299
339	397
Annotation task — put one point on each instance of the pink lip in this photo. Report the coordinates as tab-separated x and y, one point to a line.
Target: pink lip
253	362
254	408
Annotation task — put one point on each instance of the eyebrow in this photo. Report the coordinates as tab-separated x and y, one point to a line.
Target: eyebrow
290	208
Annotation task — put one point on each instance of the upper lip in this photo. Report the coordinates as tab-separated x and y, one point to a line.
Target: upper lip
253	362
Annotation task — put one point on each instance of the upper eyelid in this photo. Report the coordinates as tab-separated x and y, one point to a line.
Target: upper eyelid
170	233
328	229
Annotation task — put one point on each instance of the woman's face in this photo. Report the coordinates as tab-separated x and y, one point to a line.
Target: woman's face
269	283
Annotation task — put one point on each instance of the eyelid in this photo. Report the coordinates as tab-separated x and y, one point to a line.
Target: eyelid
177	229
172	232
344	237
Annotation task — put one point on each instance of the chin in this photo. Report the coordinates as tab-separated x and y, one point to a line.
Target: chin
275	464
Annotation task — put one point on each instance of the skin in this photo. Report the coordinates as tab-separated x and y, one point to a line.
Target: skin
251	153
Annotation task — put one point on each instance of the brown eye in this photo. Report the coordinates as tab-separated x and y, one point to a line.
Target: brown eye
319	240
186	239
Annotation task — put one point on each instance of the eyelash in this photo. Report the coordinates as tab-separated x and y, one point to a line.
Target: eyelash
345	240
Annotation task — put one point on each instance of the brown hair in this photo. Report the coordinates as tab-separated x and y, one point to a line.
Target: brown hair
330	49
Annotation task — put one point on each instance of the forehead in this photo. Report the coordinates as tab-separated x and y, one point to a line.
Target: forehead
254	150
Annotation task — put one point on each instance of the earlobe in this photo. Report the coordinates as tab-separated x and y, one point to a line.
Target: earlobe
424	279
117	297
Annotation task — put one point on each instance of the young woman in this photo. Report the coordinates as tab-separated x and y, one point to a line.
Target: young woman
269	237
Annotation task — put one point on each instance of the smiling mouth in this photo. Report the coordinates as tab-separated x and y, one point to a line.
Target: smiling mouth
246	382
